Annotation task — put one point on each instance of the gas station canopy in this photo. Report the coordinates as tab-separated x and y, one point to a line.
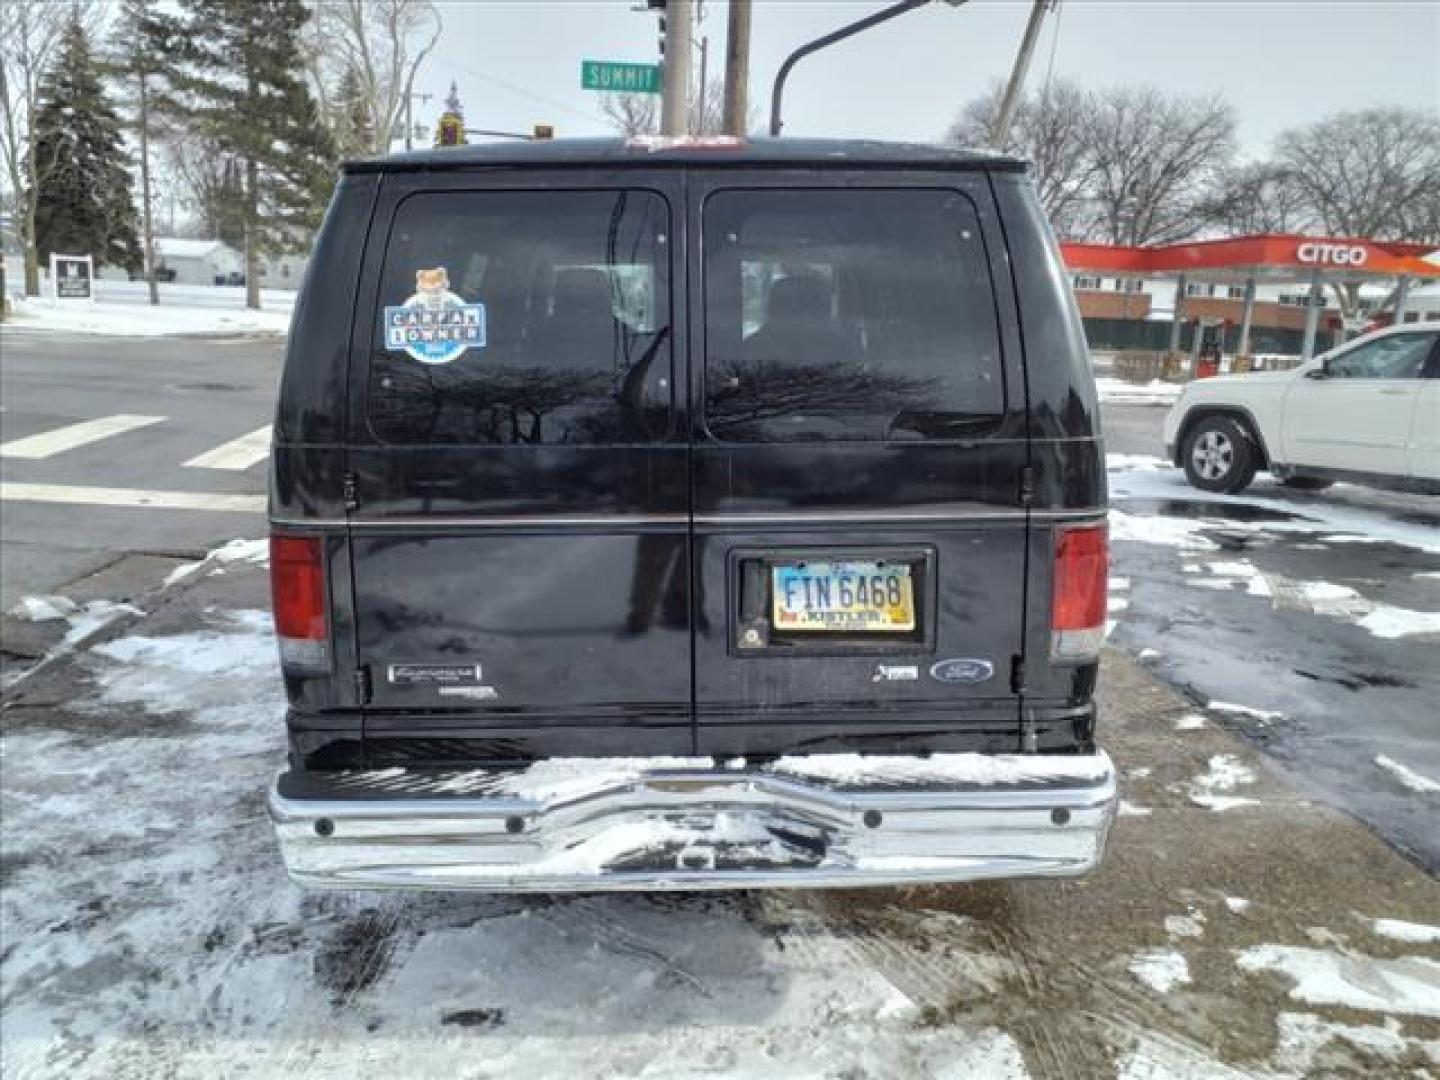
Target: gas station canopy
1274	258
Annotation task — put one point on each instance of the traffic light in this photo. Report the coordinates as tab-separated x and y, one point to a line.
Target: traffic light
450	131
658	7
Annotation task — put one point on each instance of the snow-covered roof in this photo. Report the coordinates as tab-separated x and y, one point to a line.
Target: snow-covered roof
179	248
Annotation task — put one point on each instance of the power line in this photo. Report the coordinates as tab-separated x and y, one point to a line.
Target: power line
522	92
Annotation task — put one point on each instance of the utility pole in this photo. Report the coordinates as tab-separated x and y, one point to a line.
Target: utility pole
737	69
675	102
1008	103
410	97
697	126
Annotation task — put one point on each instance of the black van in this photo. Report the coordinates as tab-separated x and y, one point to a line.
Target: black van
688	515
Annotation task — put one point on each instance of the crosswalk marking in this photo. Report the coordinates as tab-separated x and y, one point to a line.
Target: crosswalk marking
102	496
236	455
49	443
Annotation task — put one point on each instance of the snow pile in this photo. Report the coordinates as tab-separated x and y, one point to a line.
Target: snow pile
254	552
1408	777
1408	986
137	320
1162	970
84	621
1119	392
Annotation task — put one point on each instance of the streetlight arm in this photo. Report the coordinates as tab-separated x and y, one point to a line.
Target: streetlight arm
884	15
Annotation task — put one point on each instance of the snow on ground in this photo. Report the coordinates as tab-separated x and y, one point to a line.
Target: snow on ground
83	621
1120	392
1399	930
1408	777
150	930
1162	970
1226	773
239	550
1245	712
1342	513
1409	985
175	315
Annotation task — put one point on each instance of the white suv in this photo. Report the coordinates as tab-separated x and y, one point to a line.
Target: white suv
1366	412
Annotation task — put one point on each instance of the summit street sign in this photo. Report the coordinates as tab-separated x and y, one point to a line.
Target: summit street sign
619	78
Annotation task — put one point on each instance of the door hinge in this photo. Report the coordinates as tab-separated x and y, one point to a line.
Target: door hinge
1017	674
350	492
364	688
1027	485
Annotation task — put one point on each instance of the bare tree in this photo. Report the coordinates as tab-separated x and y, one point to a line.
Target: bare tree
1157	161
29	35
1374	172
639	114
632	114
1370	173
1260	197
373	48
1048	130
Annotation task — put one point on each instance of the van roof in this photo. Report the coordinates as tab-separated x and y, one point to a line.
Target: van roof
844	153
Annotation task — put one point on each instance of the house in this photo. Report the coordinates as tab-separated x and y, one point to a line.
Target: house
199	262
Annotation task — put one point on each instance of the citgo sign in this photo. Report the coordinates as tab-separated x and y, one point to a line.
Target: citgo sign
1314	253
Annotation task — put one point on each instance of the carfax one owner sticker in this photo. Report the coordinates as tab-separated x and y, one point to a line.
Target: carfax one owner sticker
435	326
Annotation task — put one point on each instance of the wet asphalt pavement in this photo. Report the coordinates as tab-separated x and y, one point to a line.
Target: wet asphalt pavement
1269	619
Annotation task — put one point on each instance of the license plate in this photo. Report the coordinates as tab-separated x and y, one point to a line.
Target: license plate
853	596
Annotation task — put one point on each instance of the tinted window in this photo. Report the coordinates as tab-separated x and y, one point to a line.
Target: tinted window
846	315
1400	356
524	317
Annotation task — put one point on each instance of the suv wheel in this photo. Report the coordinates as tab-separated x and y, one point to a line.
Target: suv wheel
1219	455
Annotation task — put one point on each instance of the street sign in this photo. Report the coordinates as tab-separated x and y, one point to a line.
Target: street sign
619	78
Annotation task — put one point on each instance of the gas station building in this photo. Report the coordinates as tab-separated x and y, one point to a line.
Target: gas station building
1248	294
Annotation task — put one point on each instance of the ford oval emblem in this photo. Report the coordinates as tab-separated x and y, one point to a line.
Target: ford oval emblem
963	671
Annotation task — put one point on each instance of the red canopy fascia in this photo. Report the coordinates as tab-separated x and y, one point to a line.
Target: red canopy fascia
1293	257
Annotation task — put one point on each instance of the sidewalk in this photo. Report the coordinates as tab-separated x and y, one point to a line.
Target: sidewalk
1234	930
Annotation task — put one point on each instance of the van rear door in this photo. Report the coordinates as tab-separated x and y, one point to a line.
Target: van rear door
519	526
859	447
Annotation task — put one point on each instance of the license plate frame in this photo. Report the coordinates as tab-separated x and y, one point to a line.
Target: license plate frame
837	597
752	632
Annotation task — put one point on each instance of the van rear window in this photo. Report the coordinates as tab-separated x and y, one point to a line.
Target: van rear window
524	317
848	315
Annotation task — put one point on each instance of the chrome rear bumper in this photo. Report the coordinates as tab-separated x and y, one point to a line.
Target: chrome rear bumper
645	825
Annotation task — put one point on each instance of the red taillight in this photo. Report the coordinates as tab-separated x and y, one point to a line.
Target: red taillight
1078	600
297	589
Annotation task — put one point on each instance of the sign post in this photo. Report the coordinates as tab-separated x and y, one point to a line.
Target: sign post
620	78
72	277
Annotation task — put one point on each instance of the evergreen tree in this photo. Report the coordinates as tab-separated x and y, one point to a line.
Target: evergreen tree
351	117
244	74
82	188
144	39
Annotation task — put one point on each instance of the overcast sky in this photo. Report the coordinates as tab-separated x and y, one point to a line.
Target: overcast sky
1281	63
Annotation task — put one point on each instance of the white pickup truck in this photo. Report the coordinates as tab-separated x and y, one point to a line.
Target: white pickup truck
1367	412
